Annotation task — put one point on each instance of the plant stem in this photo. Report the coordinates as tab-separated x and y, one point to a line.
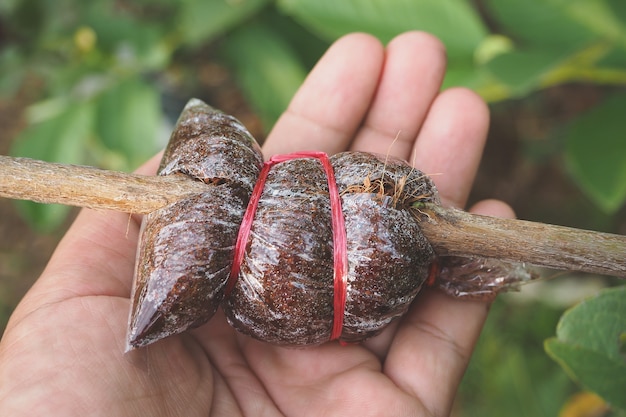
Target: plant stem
450	231
455	232
73	185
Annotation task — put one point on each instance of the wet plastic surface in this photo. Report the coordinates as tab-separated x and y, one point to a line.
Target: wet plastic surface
186	249
182	264
210	146
285	289
480	278
284	292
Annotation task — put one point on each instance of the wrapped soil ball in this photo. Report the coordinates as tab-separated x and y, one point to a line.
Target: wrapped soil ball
212	147
284	290
289	289
388	256
299	250
186	249
184	262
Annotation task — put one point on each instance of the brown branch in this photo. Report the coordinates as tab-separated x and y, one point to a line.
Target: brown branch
450	231
72	185
455	232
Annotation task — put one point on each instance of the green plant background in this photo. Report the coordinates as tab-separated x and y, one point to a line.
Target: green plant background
100	82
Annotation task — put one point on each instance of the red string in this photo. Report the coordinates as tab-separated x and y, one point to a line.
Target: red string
433	273
340	255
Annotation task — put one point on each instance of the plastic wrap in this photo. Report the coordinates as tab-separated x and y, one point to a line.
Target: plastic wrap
388	261
329	249
211	146
284	290
369	173
184	262
186	249
480	278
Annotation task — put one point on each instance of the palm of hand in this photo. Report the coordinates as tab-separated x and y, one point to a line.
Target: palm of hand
62	350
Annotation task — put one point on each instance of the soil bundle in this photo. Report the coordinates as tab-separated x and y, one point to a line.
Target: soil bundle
303	248
330	248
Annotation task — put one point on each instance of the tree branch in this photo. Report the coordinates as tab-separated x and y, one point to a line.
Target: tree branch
73	185
450	231
455	232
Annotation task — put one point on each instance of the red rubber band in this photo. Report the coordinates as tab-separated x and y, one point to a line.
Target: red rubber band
433	273
340	254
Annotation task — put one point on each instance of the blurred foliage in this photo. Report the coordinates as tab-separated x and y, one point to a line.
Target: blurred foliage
120	58
105	70
104	53
590	344
509	375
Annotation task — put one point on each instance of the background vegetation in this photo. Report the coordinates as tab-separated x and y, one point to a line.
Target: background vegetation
101	82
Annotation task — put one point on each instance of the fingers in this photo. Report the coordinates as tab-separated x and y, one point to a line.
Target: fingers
150	166
436	338
450	143
494	208
412	75
448	148
332	102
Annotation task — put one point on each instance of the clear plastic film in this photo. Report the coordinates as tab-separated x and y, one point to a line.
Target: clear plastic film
186	249
183	263
285	292
461	277
480	278
211	146
331	249
388	256
388	261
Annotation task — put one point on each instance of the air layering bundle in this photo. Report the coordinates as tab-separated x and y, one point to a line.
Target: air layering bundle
303	248
299	250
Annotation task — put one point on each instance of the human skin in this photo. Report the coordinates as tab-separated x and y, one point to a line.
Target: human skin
62	351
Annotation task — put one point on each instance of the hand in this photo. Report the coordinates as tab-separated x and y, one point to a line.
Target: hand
61	353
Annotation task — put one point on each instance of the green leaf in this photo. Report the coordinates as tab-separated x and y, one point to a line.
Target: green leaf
266	68
587	344
474	73
547	24
509	373
132	41
615	58
308	46
29	18
59	139
201	20
455	22
522	71
599	17
12	62
619	9
596	153
557	41
128	120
